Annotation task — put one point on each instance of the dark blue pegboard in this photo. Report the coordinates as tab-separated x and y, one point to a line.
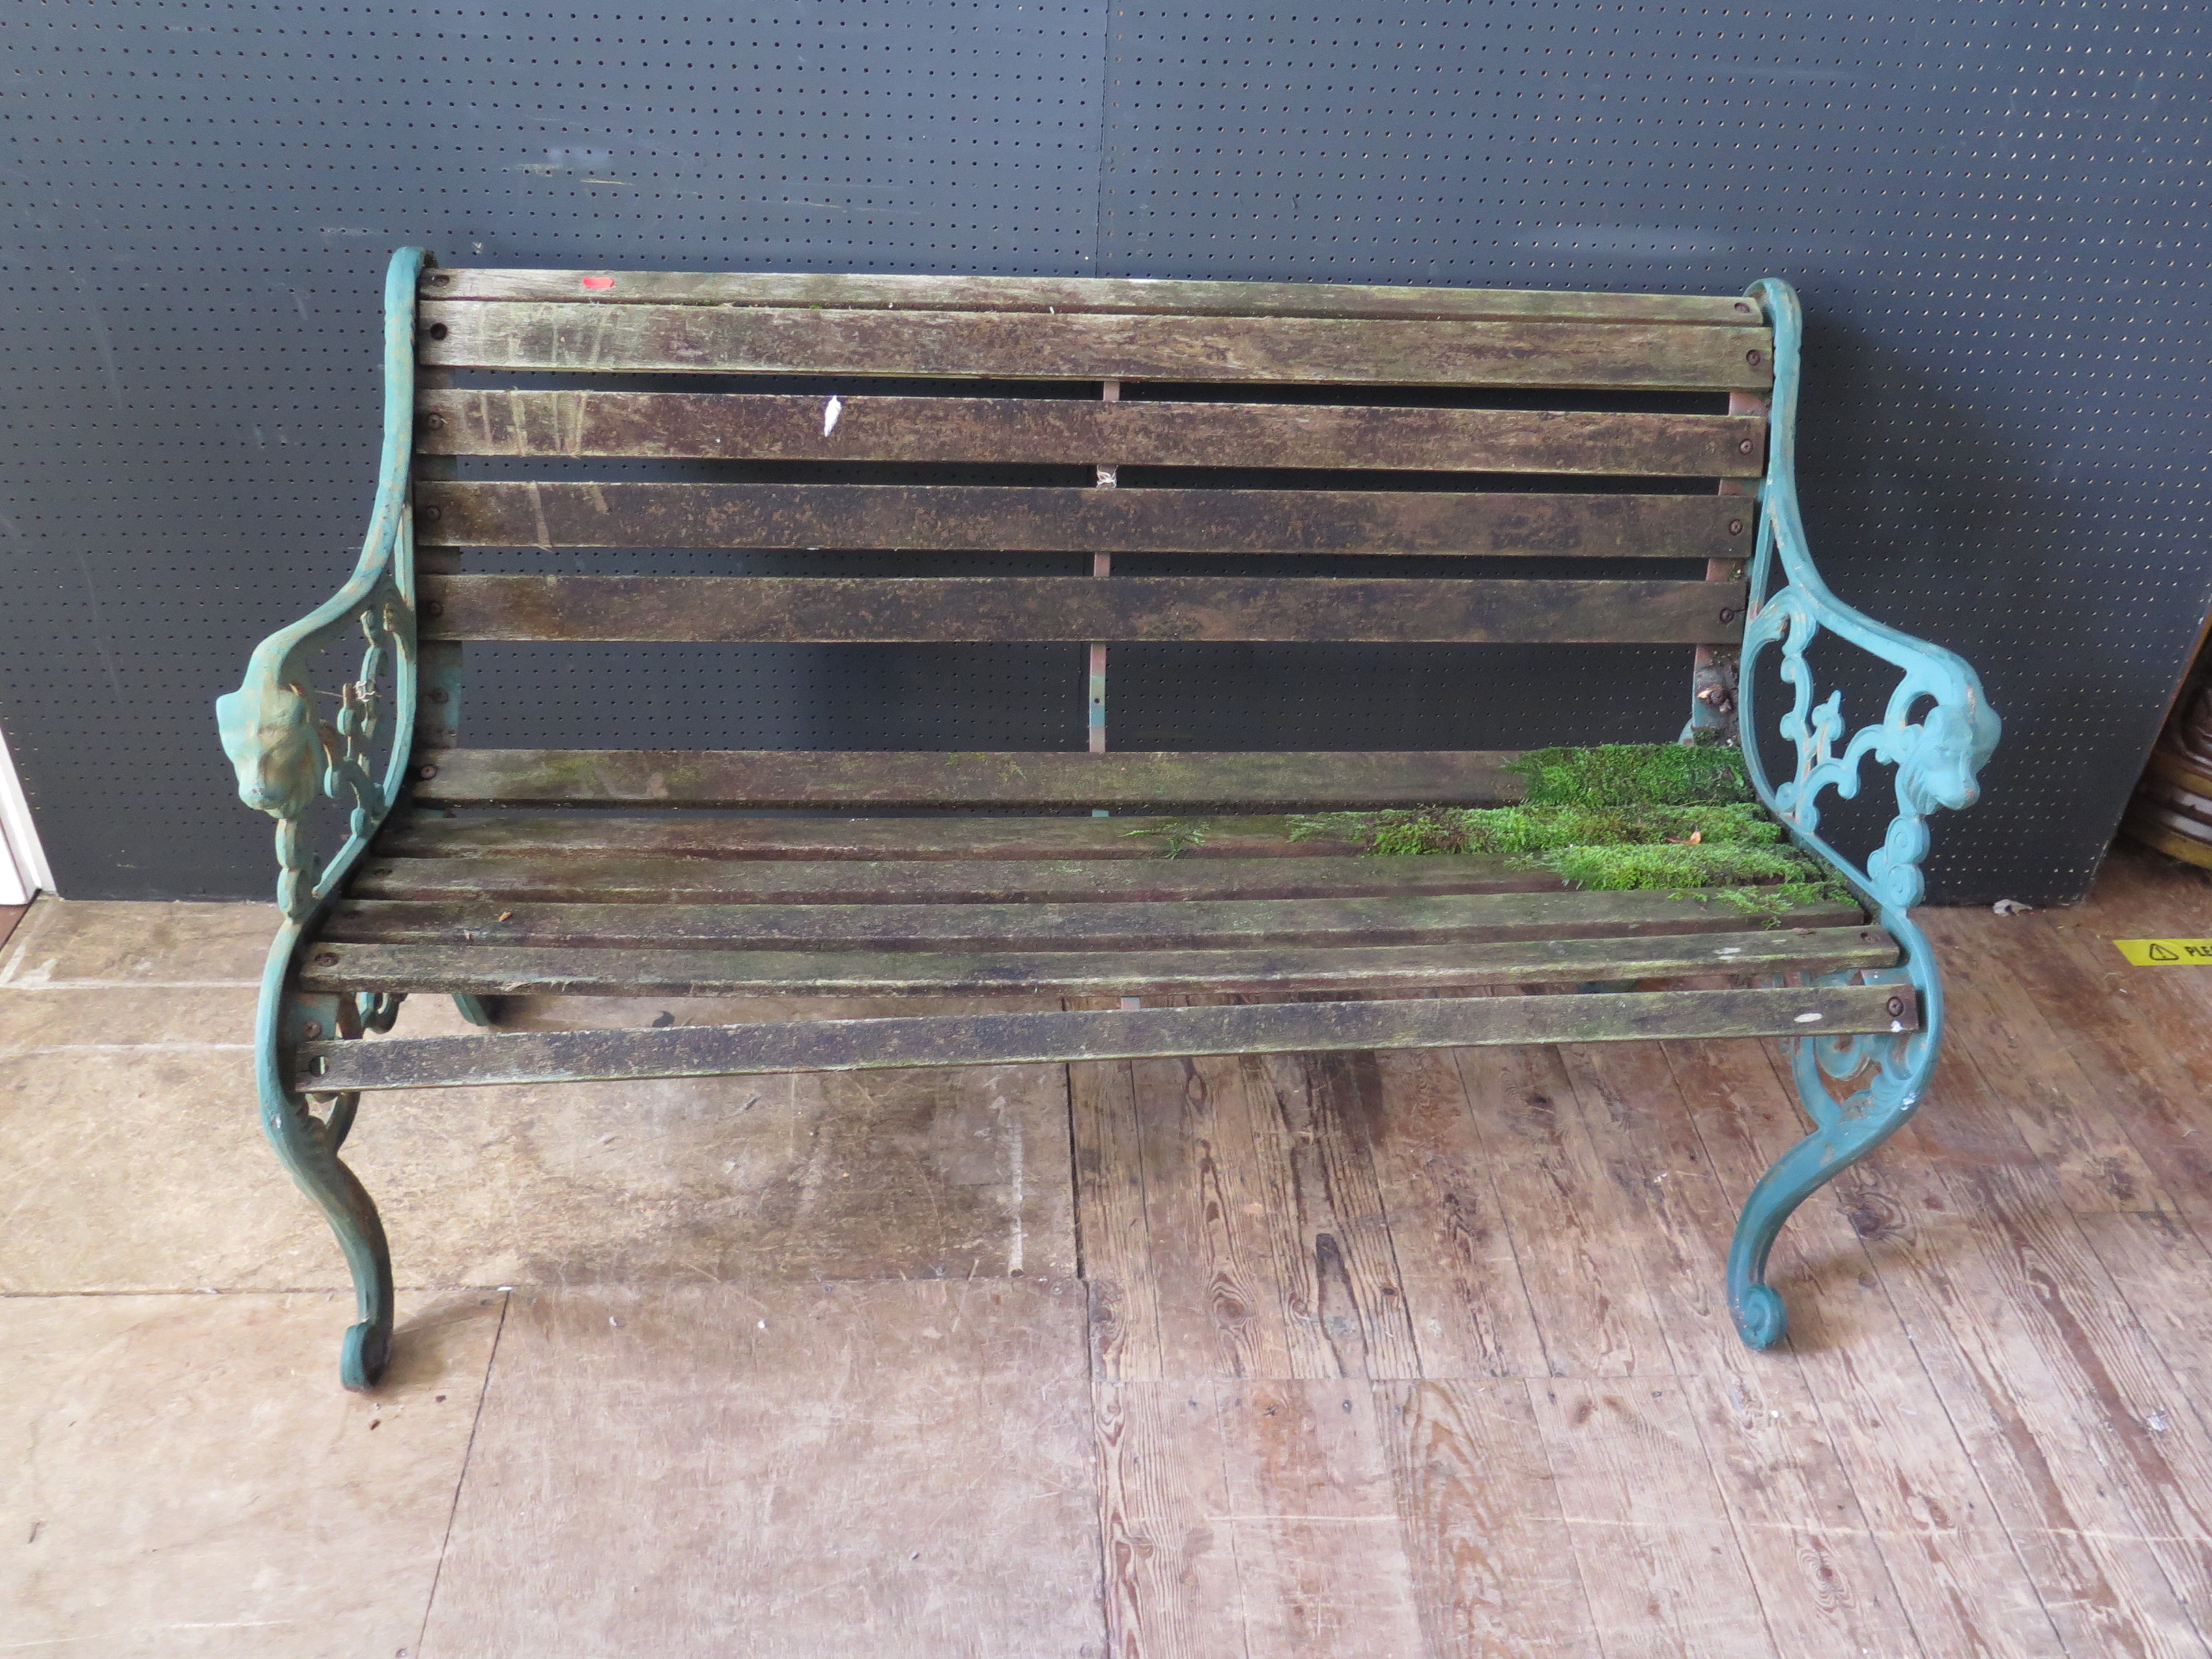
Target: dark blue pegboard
1995	214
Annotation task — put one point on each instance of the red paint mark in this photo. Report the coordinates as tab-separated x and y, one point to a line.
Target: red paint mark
598	282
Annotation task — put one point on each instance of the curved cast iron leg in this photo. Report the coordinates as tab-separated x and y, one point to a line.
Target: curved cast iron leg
473	1009
305	1145
1847	1133
309	1149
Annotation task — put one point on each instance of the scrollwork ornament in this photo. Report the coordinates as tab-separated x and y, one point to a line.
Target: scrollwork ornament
1937	731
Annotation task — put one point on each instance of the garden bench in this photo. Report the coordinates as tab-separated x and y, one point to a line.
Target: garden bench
1076	873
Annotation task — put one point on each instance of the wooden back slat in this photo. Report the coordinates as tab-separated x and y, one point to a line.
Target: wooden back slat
984	609
1092	295
794	780
993	518
766	340
1046	430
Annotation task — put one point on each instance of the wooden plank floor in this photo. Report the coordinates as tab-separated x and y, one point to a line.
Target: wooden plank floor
1416	1355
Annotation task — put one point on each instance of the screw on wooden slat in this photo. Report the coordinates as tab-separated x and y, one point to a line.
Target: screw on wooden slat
1728	616
441	278
1896	1006
1735	526
312	1030
327	959
438	331
1743	448
429	514
1740	304
426	771
1751	357
434	607
434	423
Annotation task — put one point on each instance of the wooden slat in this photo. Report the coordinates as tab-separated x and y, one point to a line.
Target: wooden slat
1050	1038
785	779
748	340
1094	295
1046	430
1194	924
993	610
944	881
481	513
500	970
433	834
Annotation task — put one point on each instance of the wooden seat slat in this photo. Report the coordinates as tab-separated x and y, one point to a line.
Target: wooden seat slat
787	779
505	970
782	427
946	881
488	512
691	340
1091	294
433	834
995	609
1048	1038
1196	924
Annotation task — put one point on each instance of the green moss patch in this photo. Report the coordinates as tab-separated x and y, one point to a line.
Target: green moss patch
1697	827
1634	774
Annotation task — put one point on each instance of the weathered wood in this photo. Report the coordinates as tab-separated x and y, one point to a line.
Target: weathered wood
1208	1245
505	970
1099	295
1585	1287
1458	1270
1170	1583
949	881
759	340
776	778
1046	1038
1190	924
1822	1580
780	427
1321	1568
433	834
992	610
1657	1553
1312	1123
938	517
1479	1511
1915	1467
769	1470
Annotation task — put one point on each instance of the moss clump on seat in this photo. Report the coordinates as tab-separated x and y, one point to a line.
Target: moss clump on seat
1634	774
1583	822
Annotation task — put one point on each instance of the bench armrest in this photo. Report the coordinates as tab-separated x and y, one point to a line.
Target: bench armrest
1937	755
288	753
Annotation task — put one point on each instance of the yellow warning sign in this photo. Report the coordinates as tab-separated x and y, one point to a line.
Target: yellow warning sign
2158	952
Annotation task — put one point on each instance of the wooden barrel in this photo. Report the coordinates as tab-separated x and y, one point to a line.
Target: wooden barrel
2172	806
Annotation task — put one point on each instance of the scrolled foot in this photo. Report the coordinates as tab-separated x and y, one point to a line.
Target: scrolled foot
368	1351
1762	1318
